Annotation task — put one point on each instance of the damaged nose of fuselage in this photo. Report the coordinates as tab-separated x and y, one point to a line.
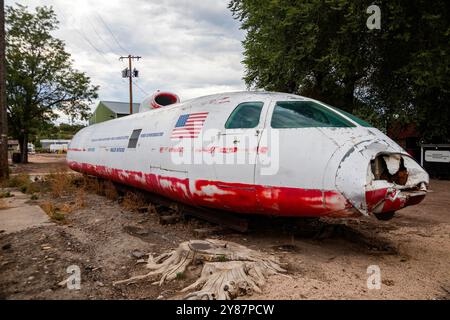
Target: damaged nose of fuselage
394	181
376	178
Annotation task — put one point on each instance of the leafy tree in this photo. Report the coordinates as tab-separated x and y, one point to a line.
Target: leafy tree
412	78
40	76
323	49
308	47
48	130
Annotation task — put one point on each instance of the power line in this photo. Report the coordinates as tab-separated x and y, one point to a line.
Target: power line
118	43
140	88
112	34
87	40
93	46
101	38
105	58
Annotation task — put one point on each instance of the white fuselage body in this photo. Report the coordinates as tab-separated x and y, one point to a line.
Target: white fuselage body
314	171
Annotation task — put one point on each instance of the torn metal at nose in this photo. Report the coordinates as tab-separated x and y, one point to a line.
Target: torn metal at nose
378	179
395	181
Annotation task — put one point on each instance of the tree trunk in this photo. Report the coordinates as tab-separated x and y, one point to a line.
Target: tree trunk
23	144
349	97
4	170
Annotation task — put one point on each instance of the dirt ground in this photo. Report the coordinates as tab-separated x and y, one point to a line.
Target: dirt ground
325	259
41	163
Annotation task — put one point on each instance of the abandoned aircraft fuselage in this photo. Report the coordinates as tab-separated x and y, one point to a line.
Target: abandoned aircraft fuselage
253	152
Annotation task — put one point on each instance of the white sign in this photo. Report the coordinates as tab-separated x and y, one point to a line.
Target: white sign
437	156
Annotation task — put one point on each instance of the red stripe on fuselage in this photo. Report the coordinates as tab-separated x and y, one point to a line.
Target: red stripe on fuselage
236	197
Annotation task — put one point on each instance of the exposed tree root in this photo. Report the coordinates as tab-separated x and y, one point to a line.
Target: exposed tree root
229	269
228	280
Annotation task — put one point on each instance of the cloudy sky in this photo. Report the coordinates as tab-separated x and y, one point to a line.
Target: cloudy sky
192	48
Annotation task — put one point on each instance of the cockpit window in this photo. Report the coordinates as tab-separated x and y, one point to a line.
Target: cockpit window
354	118
306	114
245	116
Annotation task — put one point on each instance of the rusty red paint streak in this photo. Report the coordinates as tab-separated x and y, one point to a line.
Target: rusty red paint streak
262	149
237	197
259	150
176	137
220	100
300	202
217	149
171	149
227	150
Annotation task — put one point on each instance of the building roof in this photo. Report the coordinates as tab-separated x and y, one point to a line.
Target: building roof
54	141
120	107
438	145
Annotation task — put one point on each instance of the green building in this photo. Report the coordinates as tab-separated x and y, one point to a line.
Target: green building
107	110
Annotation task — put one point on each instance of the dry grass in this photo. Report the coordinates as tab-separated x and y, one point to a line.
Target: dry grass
130	201
66	208
94	185
60	183
52	211
110	190
5	194
48	207
80	198
133	201
3	204
17	181
32	188
98	187
22	182
152	209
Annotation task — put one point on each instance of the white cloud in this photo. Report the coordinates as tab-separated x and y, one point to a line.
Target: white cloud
192	48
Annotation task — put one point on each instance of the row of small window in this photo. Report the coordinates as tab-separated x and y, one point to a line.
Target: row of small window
290	114
287	114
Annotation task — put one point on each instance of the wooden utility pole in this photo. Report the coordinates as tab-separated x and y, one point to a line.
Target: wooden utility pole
130	73
4	170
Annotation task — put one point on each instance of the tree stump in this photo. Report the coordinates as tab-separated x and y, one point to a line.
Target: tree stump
229	269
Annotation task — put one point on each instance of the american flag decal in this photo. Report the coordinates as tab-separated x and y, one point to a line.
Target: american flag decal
189	125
